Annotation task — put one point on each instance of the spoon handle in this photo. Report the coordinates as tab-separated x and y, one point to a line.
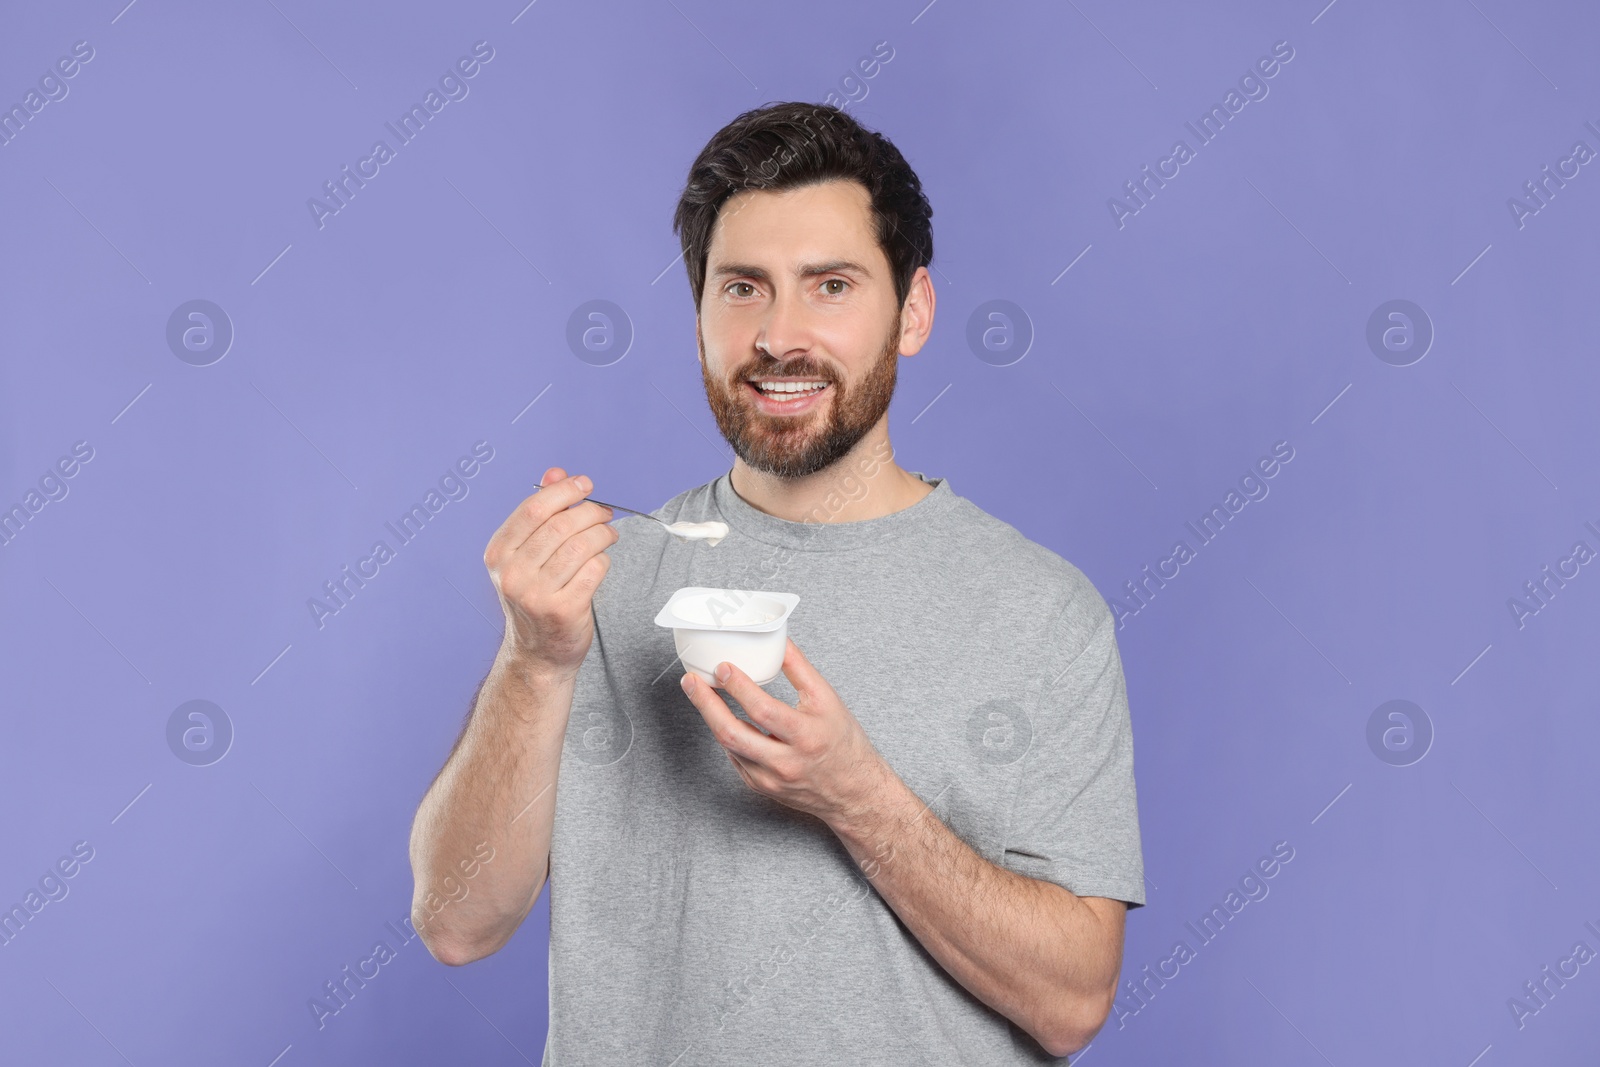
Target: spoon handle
630	511
615	507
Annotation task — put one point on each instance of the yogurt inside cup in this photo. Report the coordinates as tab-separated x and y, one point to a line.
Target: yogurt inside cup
748	628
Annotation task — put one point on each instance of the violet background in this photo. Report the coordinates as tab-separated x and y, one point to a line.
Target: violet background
1229	314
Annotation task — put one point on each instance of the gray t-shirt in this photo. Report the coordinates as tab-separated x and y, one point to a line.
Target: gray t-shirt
694	921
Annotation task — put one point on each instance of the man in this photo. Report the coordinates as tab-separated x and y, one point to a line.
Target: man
918	845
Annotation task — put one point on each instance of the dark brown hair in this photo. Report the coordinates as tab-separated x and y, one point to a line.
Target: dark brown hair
787	145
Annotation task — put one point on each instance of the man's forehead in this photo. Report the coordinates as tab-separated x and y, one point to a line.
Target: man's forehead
787	228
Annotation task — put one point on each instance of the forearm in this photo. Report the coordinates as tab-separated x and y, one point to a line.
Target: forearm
1029	949
496	791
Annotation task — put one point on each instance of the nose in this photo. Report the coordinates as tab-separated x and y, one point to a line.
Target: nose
785	332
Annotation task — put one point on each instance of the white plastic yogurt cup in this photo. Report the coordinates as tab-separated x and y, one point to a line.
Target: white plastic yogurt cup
747	628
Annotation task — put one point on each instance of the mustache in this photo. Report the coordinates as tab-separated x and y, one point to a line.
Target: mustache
772	368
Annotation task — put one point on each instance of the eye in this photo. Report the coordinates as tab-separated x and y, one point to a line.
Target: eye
836	281
747	285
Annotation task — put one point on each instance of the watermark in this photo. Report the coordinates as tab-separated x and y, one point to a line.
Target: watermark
53	88
199	733
1543	589
781	156
53	888
199	332
1252	887
855	88
339	991
53	486
1541	190
1252	487
1399	733
600	737
1399	332
452	84
999	732
599	332
342	589
455	891
999	332
1540	991
1252	87
848	485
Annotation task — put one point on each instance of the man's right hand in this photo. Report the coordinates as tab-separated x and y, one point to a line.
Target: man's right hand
546	561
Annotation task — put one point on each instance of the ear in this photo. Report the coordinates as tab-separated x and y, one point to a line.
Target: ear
916	316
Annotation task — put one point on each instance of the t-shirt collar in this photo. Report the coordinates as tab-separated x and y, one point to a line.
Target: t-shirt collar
817	532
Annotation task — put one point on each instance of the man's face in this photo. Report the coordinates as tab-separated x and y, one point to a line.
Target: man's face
799	296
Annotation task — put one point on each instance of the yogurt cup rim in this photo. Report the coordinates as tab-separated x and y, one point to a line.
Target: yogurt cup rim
669	618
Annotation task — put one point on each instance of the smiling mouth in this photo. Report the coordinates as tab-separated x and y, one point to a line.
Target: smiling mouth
786	391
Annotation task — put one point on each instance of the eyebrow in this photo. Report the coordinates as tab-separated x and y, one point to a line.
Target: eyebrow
806	270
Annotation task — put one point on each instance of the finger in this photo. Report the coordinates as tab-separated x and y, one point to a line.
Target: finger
567	512
587	578
741	768
572	553
730	731
766	710
546	544
808	682
559	493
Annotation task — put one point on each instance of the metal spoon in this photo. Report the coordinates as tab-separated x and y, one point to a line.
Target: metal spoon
673	528
613	507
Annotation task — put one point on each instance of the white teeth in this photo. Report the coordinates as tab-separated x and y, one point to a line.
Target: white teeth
790	387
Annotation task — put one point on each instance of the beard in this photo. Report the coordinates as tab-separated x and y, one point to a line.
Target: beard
790	446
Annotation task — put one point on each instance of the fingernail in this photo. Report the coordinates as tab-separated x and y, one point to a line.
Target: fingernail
585	484
688	683
723	670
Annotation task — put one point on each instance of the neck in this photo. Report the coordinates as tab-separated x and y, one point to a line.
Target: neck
866	483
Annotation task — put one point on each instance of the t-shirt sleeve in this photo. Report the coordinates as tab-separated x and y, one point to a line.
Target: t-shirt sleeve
1075	821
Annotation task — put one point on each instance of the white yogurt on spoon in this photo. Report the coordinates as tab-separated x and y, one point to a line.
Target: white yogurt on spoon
709	532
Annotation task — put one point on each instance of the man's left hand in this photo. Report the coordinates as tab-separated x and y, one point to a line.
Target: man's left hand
814	757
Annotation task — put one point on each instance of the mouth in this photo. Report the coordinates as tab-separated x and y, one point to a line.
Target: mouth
787	396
